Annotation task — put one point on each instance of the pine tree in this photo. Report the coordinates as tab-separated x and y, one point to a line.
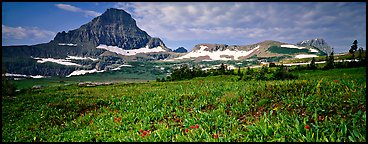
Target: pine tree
353	48
312	65
331	59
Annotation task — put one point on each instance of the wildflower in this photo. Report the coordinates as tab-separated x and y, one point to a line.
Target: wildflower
307	127
336	81
196	126
140	130
215	135
145	132
186	130
142	135
192	127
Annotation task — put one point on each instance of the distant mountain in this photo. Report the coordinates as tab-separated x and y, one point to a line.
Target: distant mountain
263	49
318	43
111	38
181	50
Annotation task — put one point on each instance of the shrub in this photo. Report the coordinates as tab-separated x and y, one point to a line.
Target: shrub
7	87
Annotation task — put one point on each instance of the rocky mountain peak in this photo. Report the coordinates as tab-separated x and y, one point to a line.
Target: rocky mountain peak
181	50
318	43
114	27
115	16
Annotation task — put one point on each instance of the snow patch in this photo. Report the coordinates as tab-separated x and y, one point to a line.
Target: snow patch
305	56
80	58
37	76
82	72
118	68
65	44
294	64
313	50
58	61
292	46
216	55
121	51
17	75
21	75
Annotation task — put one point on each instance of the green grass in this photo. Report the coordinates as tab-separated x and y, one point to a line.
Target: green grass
331	103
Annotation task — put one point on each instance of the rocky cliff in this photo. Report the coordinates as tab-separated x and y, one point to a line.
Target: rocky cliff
114	27
318	43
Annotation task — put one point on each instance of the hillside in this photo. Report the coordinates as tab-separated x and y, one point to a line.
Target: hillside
320	106
111	38
265	49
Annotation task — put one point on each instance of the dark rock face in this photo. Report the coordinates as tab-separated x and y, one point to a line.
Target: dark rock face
317	43
154	42
217	47
114	27
181	50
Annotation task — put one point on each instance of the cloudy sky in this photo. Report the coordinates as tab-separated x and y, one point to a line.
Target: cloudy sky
187	24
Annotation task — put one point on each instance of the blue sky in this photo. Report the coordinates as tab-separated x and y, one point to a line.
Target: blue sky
187	24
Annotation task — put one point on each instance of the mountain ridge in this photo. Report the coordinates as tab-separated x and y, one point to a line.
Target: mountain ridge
114	27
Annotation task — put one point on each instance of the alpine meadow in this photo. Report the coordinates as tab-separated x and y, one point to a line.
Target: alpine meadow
107	72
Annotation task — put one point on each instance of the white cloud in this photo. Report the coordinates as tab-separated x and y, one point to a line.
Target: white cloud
76	9
286	22
20	33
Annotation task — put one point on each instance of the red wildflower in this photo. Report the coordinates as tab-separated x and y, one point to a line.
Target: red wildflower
307	127
215	135
192	127
336	81
142	135
196	126
140	130
186	130
145	132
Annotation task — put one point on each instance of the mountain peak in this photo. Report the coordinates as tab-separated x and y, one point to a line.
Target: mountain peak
113	15
318	43
115	27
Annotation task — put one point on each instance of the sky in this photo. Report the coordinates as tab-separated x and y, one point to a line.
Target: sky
185	24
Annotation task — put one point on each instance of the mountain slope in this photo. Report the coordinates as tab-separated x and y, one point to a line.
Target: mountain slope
318	43
263	49
114	28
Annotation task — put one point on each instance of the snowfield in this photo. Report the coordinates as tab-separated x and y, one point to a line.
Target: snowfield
20	75
313	50
216	55
292	46
305	56
81	58
17	75
218	66
294	64
58	61
37	76
69	44
82	72
121	51
118	68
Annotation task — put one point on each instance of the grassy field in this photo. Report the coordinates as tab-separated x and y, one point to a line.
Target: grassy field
320	106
